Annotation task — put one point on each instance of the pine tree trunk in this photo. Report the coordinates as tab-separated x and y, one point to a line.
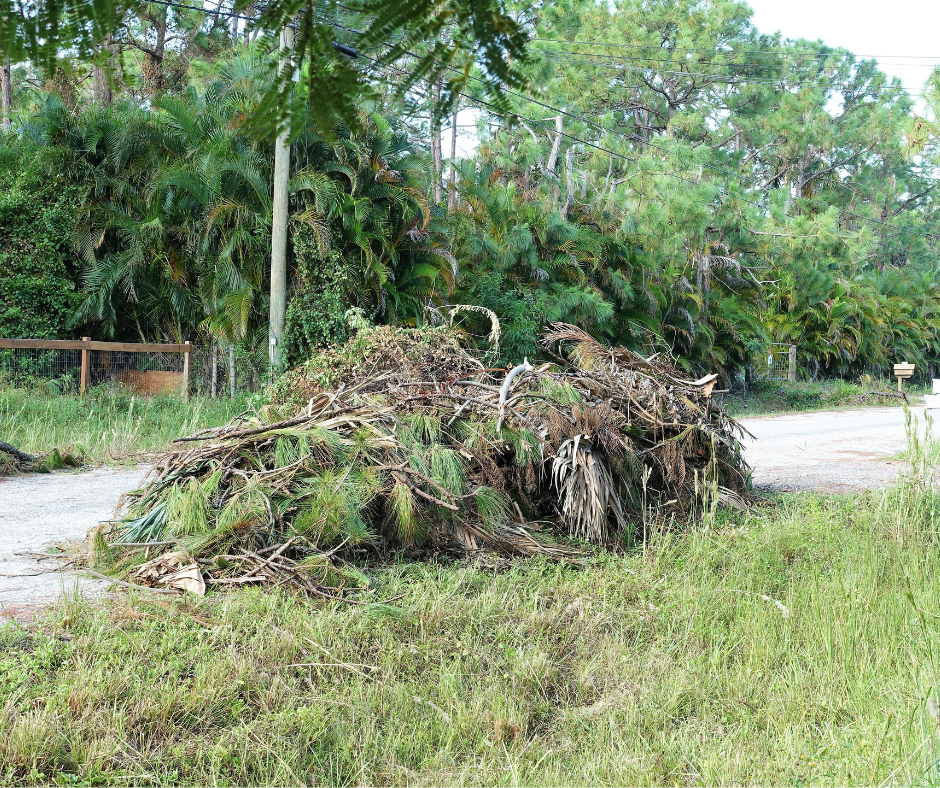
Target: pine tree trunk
437	192
569	183
100	90
556	146
452	180
154	74
100	86
6	89
214	352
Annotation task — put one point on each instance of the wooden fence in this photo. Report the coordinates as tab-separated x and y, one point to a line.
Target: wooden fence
110	358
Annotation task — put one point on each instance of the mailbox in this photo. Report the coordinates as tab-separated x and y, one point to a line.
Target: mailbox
902	372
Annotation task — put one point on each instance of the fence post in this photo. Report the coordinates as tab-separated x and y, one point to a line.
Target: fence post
186	356
83	381
791	372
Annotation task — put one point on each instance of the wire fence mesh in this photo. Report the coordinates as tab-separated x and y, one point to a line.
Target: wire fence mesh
58	369
149	373
233	370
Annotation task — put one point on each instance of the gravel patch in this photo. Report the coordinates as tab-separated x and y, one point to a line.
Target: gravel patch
829	451
39	511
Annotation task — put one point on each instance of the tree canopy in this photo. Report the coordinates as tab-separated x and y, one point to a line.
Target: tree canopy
659	172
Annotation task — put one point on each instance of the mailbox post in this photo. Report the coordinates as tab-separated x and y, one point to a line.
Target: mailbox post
902	372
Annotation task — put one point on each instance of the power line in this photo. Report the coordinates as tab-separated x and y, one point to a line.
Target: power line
716	168
729	79
728	173
789	53
203	9
833	51
732	53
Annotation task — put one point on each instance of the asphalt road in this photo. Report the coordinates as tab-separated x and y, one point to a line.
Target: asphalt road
830	451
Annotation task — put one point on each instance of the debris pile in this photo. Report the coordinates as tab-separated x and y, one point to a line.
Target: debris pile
403	439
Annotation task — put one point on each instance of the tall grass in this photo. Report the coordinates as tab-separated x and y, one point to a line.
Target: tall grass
105	425
793	644
775	396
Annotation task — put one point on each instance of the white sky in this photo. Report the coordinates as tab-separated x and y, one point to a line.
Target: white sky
904	35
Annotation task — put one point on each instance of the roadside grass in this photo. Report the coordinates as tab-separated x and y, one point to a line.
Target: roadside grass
791	645
767	397
105	426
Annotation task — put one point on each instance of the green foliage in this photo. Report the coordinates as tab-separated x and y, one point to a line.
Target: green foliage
37	265
480	30
316	311
538	673
105	426
777	396
772	198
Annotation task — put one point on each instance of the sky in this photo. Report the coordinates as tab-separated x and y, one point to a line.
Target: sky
903	35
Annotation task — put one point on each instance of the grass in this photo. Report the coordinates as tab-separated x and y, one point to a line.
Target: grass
766	397
791	645
105	426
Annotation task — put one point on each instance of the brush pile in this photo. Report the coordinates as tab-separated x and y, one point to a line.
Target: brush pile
403	439
12	460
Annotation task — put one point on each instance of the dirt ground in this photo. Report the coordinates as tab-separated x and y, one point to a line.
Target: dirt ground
39	511
830	451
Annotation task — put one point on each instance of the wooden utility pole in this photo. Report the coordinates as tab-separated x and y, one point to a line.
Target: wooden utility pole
214	353
184	386
83	375
279	216
6	89
231	370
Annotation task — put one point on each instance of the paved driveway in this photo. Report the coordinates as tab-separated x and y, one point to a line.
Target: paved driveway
832	451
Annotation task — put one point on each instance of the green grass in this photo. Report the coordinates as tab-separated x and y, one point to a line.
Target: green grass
766	397
105	426
792	645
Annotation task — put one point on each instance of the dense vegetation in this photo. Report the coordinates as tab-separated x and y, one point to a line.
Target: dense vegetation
666	176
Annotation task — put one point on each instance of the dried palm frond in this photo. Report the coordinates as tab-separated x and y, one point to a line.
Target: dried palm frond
586	491
415	443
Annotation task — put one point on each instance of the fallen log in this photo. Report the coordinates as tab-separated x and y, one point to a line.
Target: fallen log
22	456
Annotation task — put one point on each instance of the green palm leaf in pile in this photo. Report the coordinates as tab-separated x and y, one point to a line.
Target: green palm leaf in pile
421	447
